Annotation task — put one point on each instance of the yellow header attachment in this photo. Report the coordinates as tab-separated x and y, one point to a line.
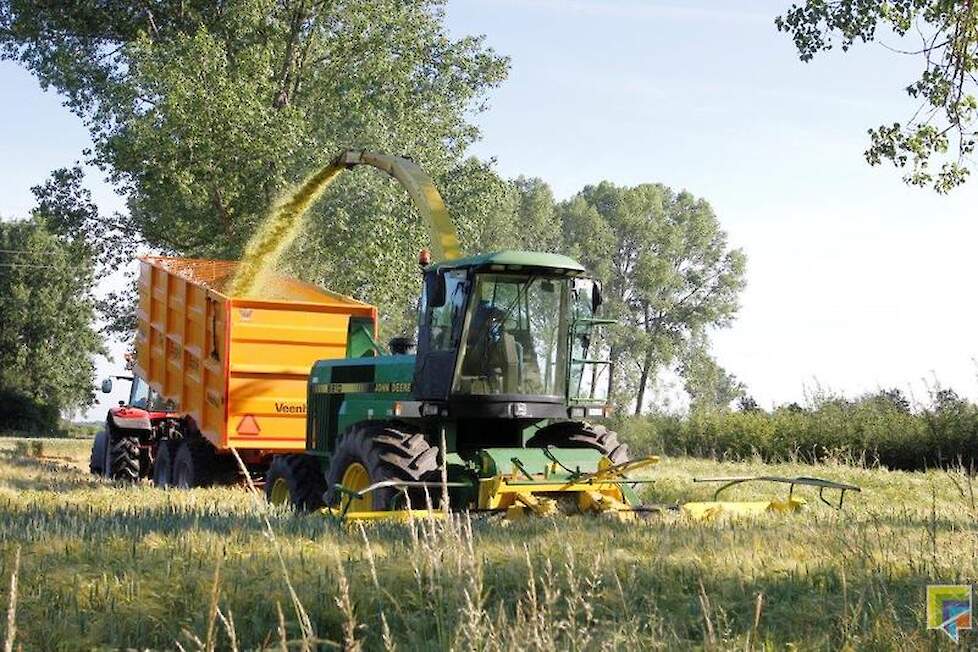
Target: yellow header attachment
444	238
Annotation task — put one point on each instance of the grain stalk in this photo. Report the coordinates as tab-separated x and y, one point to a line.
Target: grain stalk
711	638
283	634
308	633
228	622
755	626
345	604
210	642
8	644
370	556
385	633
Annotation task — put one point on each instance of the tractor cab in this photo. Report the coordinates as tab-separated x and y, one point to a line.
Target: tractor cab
509	334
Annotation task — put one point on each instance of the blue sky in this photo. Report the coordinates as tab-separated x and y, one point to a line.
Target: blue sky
855	281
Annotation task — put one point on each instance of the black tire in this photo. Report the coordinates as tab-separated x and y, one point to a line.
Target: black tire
579	434
193	464
302	477
163	464
123	463
96	463
387	453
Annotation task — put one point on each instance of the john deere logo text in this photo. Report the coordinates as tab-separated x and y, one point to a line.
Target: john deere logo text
949	608
290	408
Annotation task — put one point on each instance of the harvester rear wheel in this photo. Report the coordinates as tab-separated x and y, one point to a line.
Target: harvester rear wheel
123	458
295	480
579	434
193	464
164	462
374	454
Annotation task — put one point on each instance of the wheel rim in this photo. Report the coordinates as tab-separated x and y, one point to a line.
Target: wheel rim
280	492
356	478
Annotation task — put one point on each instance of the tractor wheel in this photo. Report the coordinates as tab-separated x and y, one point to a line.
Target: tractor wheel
374	454
163	464
297	481
578	434
193	464
123	458
96	463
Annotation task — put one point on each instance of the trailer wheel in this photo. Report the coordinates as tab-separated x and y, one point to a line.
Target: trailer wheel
123	458
96	463
297	481
193	464
164	462
578	434
374	454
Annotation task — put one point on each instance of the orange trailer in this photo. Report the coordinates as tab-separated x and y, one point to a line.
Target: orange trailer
224	371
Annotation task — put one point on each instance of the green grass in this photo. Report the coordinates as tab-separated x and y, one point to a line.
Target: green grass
135	567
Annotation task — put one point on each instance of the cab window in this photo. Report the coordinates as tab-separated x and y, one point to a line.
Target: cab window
443	318
139	394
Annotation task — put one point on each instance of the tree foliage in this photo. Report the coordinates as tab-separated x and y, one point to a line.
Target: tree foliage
708	385
202	113
667	270
539	226
109	241
47	338
943	128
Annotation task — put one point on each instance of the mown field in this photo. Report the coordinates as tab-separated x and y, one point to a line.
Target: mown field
105	567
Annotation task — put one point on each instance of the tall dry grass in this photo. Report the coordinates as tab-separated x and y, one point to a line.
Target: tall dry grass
137	567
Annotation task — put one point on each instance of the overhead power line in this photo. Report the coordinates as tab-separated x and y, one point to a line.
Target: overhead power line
30	265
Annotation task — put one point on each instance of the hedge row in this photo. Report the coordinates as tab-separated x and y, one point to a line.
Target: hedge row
875	429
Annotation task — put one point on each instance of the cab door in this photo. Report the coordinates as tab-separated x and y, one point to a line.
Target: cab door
441	313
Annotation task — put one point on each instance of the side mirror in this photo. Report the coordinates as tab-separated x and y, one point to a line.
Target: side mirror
596	298
435	289
107	386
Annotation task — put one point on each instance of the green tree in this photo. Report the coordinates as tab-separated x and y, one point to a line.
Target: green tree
69	212
538	224
47	335
667	271
202	113
709	386
943	126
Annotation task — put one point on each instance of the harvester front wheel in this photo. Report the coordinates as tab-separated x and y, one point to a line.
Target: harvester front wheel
193	464
369	455
295	480
163	464
123	458
579	434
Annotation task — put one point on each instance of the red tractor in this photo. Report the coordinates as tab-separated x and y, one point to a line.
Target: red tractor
125	448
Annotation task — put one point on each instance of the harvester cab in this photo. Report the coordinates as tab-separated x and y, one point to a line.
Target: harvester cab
506	335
